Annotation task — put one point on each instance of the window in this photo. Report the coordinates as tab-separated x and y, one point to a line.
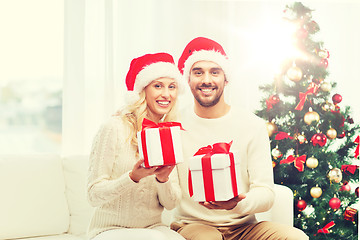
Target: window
31	63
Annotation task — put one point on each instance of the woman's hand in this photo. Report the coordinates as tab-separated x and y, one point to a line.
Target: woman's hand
138	172
162	173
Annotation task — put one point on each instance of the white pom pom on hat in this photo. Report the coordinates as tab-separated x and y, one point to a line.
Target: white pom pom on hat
144	69
203	49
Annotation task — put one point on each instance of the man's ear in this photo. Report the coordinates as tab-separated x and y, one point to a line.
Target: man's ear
226	82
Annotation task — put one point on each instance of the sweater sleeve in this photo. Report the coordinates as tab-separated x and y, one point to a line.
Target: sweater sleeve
169	193
261	195
102	187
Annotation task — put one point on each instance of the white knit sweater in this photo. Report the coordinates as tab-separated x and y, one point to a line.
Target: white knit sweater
250	139
119	202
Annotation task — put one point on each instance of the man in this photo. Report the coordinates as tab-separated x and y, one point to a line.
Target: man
204	65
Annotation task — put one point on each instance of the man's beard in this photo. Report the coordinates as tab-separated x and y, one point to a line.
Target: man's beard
212	103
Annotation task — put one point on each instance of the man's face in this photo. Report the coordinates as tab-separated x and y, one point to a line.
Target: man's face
207	82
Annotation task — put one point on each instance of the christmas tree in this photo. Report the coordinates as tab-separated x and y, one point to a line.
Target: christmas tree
314	140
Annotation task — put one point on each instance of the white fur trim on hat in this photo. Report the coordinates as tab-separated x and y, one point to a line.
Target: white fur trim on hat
206	55
155	71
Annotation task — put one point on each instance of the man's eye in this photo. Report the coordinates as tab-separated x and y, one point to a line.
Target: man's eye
172	86
215	72
198	73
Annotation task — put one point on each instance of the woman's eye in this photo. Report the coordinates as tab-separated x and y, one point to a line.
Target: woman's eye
157	86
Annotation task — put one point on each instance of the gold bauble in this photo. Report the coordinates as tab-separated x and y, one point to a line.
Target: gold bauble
294	74
335	175
331	133
311	116
327	106
271	128
312	162
315	192
325	86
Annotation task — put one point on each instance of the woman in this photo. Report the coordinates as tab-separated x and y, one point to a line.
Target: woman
128	198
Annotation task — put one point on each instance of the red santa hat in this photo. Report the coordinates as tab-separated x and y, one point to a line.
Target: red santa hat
143	70
202	49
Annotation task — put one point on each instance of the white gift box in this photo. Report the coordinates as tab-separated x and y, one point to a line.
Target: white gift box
163	148
222	180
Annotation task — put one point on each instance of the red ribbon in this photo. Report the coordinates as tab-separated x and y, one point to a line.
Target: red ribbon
357	141
298	161
282	135
326	228
312	89
349	168
166	141
207	169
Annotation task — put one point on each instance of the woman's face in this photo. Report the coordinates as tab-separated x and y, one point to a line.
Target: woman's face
160	97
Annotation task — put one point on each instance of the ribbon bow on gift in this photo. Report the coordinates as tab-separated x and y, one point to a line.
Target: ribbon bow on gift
165	139
326	228
150	124
312	89
298	161
207	169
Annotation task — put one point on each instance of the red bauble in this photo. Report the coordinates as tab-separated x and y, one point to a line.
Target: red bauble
335	203
319	139
301	205
345	187
341	135
357	191
337	98
324	63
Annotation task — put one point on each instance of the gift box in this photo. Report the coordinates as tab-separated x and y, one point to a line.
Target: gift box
160	143
213	173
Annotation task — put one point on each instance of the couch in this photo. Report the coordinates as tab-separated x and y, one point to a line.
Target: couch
43	197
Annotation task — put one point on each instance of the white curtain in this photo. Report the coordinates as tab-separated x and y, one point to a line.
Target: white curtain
102	36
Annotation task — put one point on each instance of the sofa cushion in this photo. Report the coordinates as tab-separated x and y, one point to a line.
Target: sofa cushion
75	171
33	201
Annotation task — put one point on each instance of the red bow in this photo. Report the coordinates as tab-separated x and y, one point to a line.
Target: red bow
312	89
357	141
282	135
326	228
207	170
349	168
298	161
150	124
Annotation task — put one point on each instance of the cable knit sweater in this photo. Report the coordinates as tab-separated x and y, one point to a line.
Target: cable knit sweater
120	202
250	139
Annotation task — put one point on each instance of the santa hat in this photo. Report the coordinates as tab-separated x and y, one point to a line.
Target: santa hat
202	49
143	70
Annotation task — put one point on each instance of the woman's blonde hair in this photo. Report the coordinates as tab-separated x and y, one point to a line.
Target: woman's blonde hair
134	114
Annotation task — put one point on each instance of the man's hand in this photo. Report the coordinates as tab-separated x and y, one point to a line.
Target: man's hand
227	205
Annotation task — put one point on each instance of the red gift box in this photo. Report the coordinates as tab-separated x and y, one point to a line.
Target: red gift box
213	173
160	143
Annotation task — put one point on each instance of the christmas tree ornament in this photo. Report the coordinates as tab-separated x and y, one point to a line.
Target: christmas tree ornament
311	90
345	187
335	203
324	63
325	229
350	213
336	98
315	192
294	73
335	175
300	137
301	205
319	139
276	153
327	106
357	192
325	87
324	53
298	161
357	150
331	133
311	116
349	169
341	135
318	80
273	164
271	128
312	162
271	101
